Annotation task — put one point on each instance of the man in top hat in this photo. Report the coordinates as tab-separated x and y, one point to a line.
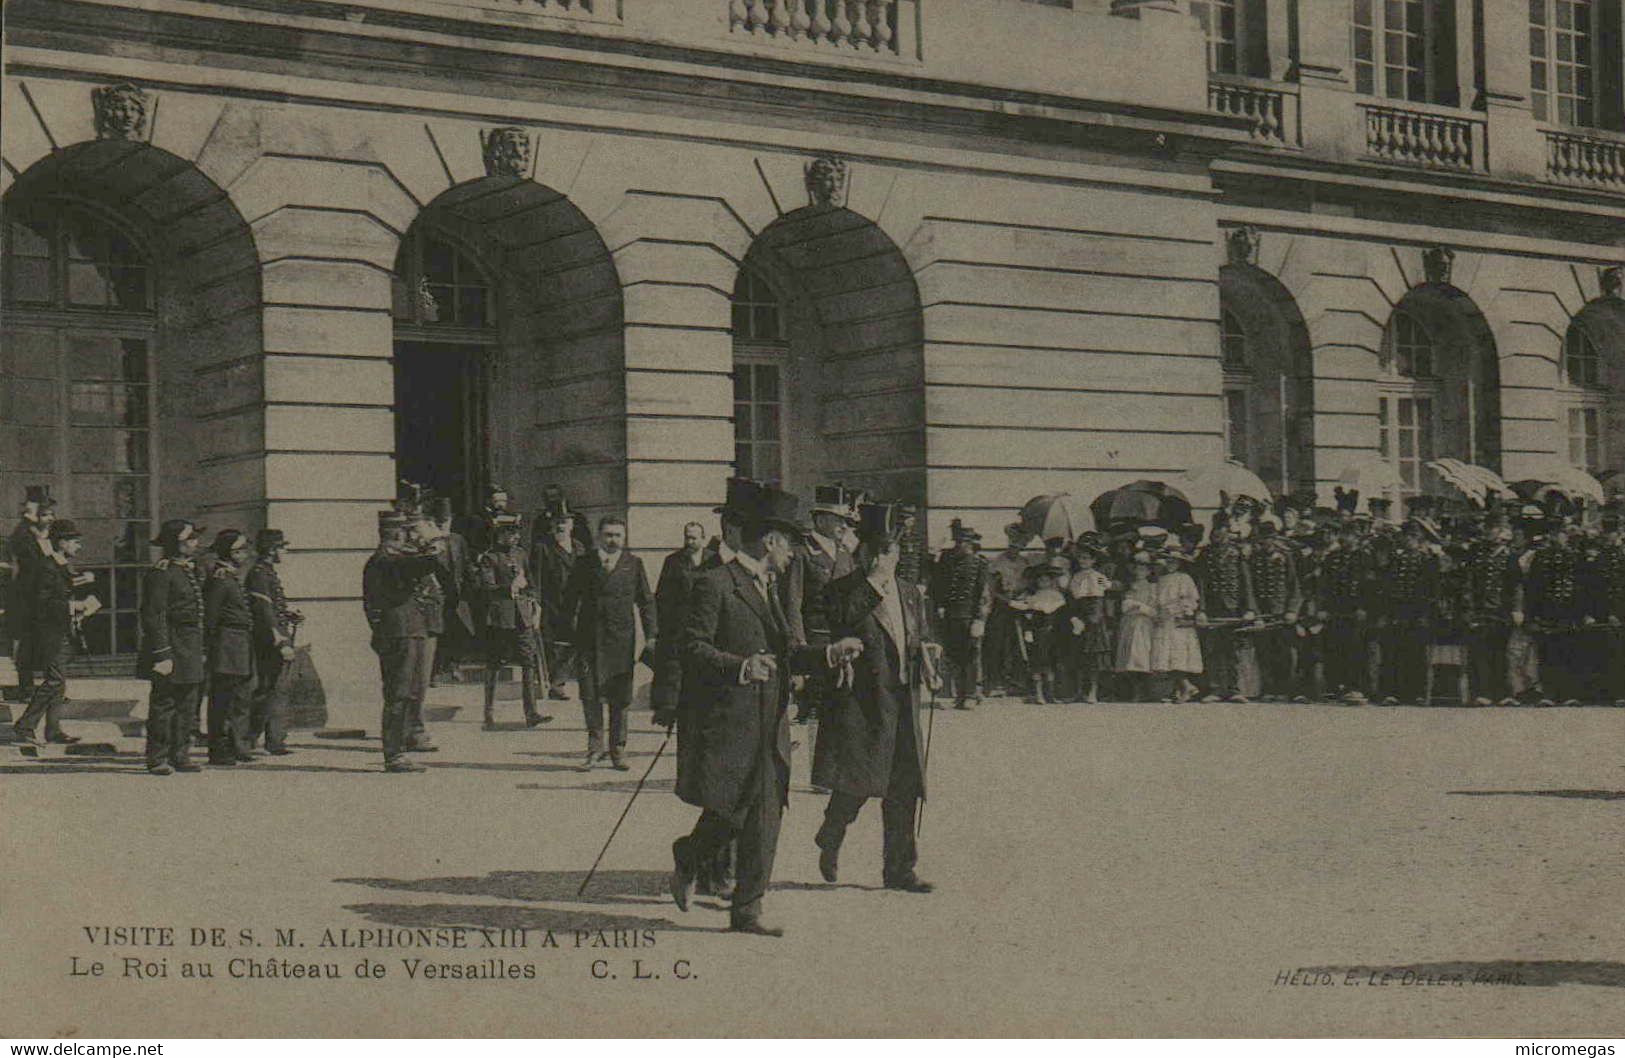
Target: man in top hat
872	743
509	613
47	589
496	502
607	595
820	559
275	625
962	589
1408	590
554	554
1225	578
1003	659
678	575
400	595
456	576
30	547
228	639
733	728
172	645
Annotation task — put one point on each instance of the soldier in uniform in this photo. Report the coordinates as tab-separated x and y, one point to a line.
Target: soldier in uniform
1345	597
678	575
1003	664
912	561
1409	589
963	593
1611	605
228	638
509	613
456	575
172	646
1276	599
275	624
1225	578
819	560
554	554
1554	604
1492	594
401	597
47	594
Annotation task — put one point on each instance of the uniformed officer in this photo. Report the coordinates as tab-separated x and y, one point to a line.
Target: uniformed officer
1612	590
172	646
275	626
228	637
1554	605
1003	654
402	601
553	556
1225	579
962	589
47	590
1409	588
819	559
1276	599
1346	576
510	614
1492	594
458	641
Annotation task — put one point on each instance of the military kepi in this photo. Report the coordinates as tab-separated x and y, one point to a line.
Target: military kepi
174	531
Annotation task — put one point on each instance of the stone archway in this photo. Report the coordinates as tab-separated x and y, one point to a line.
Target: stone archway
1272	378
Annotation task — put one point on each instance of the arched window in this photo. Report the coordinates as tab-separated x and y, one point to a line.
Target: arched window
1585	400
761	352
1407	347
1407	399
76	407
1582	361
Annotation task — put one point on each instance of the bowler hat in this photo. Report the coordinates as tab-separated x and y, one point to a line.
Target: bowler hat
64	529
958	529
175	530
266	539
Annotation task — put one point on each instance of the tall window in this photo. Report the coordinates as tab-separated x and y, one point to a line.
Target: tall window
76	395
761	352
1237	366
1404	49
1587	399
1235	424
1582	363
1232	343
1218	18
1407	398
1585	437
441	285
1408	348
1563	60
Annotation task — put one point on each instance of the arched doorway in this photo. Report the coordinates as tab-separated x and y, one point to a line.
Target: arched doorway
1268	379
828	358
1438	388
508	325
1591	391
129	337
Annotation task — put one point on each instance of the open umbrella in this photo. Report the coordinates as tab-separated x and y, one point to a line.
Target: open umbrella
1203	485
1564	480
1475	482
1142	501
1056	514
1373	476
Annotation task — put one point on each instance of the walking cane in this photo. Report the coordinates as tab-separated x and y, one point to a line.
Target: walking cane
616	829
925	768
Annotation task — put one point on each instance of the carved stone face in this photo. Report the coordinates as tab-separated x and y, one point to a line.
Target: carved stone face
1610	280
507	152
121	112
826	181
1243	246
1437	264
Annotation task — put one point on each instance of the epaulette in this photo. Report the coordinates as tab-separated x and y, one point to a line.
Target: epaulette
224	571
162	563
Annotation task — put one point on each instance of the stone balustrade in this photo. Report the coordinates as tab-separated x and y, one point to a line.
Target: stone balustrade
1271	111
1411	134
854	25
1585	159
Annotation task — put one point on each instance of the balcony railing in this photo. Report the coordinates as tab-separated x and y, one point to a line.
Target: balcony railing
1412	135
841	25
1585	159
1271	112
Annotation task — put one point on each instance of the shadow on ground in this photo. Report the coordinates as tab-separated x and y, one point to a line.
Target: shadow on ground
617	888
533	885
1577	795
1536	974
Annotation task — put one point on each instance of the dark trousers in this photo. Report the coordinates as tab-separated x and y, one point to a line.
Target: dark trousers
559	657
405	665
1345	654
964	655
1563	665
754	830
228	716
47	653
1274	647
267	714
1487	659
517	645
597	697
1219	657
1405	657
898	808
169	720
23	657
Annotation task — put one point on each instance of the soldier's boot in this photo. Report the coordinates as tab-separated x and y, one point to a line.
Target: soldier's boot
528	682
490	694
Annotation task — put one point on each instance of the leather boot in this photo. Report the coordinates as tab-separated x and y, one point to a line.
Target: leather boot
490	694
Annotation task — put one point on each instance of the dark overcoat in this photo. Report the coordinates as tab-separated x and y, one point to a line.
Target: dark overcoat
550	570
678	575
600	608
728	731
228	624
857	733
498	607
172	620
806	586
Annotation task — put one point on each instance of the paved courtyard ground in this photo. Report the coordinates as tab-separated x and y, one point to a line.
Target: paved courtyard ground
1112	869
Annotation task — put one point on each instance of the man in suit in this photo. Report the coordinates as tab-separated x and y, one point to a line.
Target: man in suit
30	548
275	623
47	592
607	595
871	743
228	637
554	554
401	598
509	614
456	576
733	730
172	646
819	559
678	575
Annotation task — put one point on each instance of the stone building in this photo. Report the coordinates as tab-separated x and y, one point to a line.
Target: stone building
265	260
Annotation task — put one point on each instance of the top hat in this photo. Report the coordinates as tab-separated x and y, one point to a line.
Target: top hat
38	494
64	529
772	509
878	521
741	499
554	505
958	529
837	500
440	507
266	539
174	531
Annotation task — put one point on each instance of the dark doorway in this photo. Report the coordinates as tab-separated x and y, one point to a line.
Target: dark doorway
440	419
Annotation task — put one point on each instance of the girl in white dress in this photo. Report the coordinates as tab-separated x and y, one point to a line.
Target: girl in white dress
1175	652
1134	630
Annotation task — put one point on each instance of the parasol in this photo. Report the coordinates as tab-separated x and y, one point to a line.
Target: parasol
1142	501
1564	480
1056	514
1203	485
1475	482
1373	476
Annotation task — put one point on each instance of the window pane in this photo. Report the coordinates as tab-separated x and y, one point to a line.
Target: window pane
28	402
767	422
132	545
767	382
742	421
742	464
30	279
28	353
767	462
742	382
86	287
24	450
95	356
